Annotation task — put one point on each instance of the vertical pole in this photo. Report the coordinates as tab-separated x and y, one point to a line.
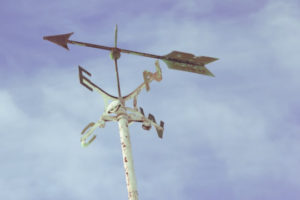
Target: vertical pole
124	133
127	156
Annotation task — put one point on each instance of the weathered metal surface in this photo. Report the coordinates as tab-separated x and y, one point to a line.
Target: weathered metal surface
91	128
91	86
115	55
61	40
113	108
174	60
147	123
83	139
127	157
188	62
160	129
200	69
116	110
123	120
116	35
188	58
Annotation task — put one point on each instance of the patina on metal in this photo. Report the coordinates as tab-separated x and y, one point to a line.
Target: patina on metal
175	60
117	110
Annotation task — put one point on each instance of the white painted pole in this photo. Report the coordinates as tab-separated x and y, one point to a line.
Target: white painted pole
127	156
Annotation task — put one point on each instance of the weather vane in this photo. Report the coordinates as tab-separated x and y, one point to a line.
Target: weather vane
116	110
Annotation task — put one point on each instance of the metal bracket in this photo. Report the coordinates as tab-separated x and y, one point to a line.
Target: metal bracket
135	115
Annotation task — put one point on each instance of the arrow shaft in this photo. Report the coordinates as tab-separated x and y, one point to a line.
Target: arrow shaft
112	48
90	45
142	54
164	58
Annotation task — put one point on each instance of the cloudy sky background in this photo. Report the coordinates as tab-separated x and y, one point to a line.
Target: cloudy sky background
235	136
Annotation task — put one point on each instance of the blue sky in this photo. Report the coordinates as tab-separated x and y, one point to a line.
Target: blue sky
235	136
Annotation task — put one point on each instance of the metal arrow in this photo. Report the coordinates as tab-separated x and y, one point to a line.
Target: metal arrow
174	60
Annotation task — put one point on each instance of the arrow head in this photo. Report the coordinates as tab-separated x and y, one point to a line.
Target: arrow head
61	40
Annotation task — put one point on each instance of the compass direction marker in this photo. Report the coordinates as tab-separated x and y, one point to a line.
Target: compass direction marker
117	110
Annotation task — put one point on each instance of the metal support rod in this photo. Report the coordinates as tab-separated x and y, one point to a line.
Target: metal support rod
115	54
118	79
127	156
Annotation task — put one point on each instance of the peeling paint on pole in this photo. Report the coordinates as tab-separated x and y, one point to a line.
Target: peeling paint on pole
116	111
127	157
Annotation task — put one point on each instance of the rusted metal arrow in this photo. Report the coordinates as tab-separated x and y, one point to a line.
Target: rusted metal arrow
174	60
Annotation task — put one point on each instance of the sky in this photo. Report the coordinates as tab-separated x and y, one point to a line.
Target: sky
234	136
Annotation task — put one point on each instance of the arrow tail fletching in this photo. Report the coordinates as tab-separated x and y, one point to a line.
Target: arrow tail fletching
188	62
205	59
188	58
199	69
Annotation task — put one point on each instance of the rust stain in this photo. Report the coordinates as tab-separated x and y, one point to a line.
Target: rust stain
123	144
125	159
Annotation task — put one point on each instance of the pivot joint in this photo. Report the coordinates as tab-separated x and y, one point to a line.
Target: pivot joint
115	54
